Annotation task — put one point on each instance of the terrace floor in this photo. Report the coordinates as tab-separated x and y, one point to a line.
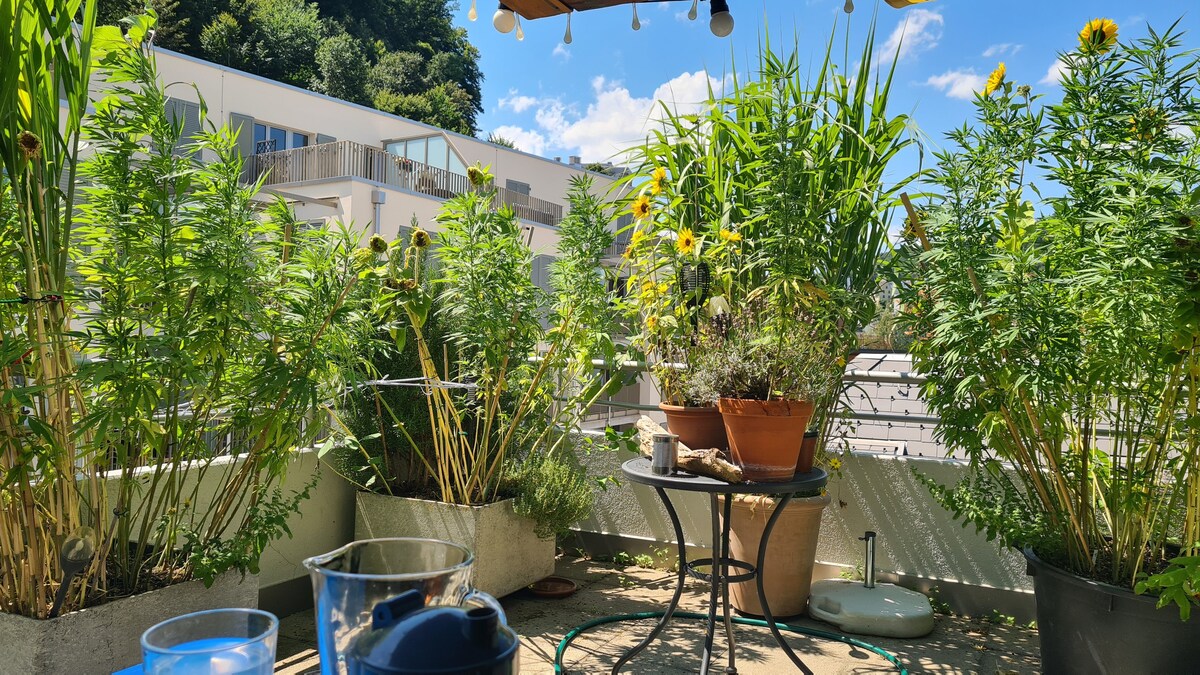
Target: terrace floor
957	645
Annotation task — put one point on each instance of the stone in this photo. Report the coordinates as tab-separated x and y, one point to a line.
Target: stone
886	610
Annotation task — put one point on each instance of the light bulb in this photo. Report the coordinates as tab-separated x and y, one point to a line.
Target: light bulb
520	31
471	13
637	25
567	35
504	19
692	11
849	6
721	24
721	21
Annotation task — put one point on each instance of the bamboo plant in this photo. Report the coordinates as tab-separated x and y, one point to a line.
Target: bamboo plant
174	348
516	372
1052	294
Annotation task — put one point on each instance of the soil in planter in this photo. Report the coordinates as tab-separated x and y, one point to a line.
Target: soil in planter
1104	565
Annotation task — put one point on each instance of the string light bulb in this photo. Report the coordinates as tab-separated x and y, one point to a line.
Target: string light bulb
520	31
504	19
637	25
471	13
720	21
692	11
567	35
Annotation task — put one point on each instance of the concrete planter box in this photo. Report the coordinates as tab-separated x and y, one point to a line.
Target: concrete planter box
106	638
508	555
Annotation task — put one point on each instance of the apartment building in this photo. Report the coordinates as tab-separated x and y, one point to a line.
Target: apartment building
338	160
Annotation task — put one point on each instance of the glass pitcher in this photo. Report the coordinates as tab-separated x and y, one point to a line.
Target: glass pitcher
350	581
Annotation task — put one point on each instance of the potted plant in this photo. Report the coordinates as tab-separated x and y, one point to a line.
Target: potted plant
488	456
163	344
1052	292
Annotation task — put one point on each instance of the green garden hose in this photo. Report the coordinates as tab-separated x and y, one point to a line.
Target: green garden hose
813	632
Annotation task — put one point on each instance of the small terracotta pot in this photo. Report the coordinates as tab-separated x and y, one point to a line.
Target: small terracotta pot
765	436
808	452
697	428
791	554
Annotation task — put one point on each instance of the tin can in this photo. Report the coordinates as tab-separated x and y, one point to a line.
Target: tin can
664	454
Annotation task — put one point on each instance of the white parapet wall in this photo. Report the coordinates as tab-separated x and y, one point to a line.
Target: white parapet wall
919	543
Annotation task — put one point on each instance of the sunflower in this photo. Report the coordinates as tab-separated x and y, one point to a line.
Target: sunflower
685	243
652	323
657	179
730	236
627	253
1098	36
641	207
638	237
835	464
995	79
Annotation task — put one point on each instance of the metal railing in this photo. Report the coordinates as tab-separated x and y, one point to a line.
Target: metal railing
348	159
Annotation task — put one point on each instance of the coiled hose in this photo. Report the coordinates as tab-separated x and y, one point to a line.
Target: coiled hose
813	632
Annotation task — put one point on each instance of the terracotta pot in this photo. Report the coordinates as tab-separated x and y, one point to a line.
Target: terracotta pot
765	436
791	553
808	452
697	428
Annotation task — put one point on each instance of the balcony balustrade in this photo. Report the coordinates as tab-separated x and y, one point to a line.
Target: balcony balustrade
347	159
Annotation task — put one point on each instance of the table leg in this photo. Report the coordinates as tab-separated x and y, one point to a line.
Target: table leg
762	596
714	586
731	669
666	617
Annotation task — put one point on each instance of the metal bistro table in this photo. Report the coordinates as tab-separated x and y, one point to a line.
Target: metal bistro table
638	471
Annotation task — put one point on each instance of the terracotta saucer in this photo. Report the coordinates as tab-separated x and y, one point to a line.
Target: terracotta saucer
553	587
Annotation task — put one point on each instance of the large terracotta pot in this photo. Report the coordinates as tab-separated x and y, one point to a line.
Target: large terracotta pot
765	436
697	428
791	553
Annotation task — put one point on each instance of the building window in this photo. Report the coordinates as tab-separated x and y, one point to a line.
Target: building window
269	138
517	187
432	151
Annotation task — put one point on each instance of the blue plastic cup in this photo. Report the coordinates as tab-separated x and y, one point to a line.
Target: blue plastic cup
215	642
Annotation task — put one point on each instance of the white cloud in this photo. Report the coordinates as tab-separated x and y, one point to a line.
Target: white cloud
1002	49
613	120
561	51
958	83
517	103
1055	73
525	140
918	32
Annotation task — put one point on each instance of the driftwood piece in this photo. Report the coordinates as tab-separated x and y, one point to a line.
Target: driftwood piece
705	462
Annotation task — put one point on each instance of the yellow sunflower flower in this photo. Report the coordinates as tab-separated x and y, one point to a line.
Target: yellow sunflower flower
835	464
657	179
1098	36
652	323
685	243
638	237
641	207
995	79
627	253
730	236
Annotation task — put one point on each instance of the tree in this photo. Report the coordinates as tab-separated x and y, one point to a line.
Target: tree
286	36
342	69
172	29
496	139
222	42
398	73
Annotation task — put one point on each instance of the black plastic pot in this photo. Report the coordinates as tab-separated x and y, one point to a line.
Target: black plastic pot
1088	627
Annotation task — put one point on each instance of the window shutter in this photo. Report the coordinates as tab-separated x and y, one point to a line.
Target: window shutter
244	125
517	186
187	114
322	138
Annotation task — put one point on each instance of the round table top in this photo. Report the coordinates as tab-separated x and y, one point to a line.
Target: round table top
638	471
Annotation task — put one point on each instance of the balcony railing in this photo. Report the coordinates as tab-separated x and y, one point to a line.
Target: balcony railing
347	159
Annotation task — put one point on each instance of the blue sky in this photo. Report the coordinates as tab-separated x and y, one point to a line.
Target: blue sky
595	95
